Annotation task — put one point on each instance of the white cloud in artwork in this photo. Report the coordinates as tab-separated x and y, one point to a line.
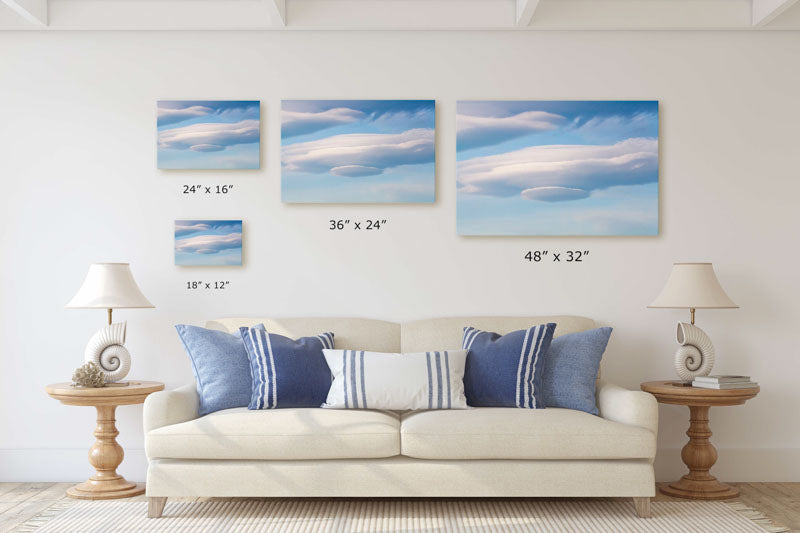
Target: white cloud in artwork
355	171
360	154
207	148
554	194
209	137
185	227
474	131
168	115
209	244
560	172
301	123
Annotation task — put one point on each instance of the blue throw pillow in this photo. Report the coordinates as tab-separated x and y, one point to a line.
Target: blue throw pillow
286	372
571	367
506	371
220	365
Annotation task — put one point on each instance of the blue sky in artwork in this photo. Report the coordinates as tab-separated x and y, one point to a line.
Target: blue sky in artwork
557	167
208	242
209	134
358	151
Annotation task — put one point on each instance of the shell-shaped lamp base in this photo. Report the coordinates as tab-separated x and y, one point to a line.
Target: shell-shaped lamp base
695	357
106	349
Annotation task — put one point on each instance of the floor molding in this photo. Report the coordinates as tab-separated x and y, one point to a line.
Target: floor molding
737	464
63	464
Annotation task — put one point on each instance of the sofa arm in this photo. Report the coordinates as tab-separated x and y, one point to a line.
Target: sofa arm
635	408
171	407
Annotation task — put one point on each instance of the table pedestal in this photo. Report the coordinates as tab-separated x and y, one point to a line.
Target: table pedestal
105	455
699	455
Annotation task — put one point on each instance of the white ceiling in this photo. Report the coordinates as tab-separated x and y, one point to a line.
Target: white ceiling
399	14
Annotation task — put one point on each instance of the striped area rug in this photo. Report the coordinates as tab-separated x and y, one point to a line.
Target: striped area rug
309	515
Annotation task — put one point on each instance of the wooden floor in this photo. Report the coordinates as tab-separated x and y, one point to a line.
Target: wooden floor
21	501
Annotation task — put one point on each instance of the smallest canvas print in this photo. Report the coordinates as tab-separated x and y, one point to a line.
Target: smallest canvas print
208	242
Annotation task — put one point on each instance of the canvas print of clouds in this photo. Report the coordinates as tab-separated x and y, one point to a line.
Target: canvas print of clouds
557	168
208	242
358	151
209	134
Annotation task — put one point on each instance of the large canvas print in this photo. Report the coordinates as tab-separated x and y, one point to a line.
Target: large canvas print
209	134
557	167
208	242
358	151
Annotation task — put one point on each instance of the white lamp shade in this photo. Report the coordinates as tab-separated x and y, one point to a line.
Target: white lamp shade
109	286
693	285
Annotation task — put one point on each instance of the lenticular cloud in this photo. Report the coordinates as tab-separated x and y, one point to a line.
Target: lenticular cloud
210	137
474	131
168	115
301	123
360	154
560	172
209	244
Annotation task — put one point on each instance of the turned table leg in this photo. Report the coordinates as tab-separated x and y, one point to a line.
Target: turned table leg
105	455
699	455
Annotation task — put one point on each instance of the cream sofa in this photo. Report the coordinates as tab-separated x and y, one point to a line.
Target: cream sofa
481	452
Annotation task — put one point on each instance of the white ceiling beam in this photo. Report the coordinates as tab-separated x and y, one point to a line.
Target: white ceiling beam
341	15
642	15
525	10
34	11
765	11
277	9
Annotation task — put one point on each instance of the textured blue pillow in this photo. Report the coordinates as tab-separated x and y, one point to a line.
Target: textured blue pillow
571	367
220	365
286	372
506	371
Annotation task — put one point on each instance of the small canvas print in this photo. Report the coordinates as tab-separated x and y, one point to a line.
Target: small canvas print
209	134
557	167
208	242
358	151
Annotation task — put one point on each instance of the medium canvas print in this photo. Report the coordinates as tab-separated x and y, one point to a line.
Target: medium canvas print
209	134
557	167
358	151
208	242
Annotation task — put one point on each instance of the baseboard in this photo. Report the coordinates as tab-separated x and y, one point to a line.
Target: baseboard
63	464
738	464
71	464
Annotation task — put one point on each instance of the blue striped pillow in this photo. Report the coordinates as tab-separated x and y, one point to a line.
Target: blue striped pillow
506	370
286	372
400	382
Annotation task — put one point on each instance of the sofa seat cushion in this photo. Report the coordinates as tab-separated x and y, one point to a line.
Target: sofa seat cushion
279	434
509	433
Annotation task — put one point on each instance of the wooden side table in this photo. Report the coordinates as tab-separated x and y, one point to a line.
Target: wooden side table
698	454
106	454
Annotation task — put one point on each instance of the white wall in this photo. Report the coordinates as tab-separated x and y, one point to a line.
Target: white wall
79	184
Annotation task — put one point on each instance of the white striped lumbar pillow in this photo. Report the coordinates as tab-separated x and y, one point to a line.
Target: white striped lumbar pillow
410	381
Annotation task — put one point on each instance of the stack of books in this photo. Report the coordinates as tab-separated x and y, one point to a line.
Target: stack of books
723	382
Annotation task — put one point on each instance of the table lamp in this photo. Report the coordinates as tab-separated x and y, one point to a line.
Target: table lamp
109	286
693	286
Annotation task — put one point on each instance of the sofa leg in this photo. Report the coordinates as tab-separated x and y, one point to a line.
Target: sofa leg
642	506
155	506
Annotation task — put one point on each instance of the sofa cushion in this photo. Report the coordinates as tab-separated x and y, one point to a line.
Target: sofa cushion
280	434
351	333
510	433
448	333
